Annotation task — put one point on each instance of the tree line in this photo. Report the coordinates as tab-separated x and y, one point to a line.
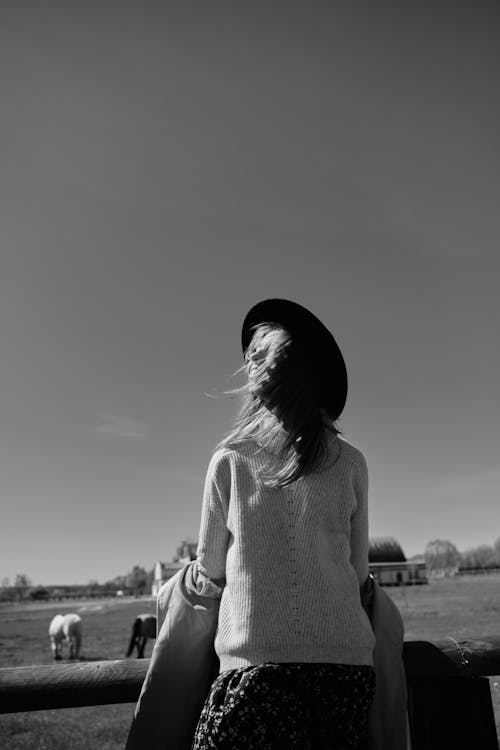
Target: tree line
441	554
137	582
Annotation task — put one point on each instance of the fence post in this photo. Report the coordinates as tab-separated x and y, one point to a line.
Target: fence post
451	713
449	699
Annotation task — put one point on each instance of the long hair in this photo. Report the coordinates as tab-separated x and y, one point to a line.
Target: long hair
280	407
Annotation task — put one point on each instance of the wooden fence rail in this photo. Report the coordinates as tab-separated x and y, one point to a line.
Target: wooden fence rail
71	684
449	698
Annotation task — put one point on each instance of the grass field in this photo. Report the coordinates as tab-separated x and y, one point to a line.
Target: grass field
456	607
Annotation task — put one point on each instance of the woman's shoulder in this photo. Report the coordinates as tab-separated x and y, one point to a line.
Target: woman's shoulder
220	457
227	456
350	453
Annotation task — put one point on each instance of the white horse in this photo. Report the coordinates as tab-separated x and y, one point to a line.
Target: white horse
66	629
144	627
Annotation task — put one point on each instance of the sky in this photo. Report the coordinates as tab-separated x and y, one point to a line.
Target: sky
166	165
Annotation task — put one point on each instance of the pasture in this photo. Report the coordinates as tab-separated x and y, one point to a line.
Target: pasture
453	607
24	641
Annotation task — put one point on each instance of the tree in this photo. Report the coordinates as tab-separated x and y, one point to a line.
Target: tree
441	555
39	593
485	556
186	551
21	585
118	582
496	547
137	580
6	592
478	557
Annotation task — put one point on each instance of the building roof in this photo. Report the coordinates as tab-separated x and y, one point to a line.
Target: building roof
385	549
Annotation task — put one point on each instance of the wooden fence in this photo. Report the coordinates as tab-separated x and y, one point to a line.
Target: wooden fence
449	697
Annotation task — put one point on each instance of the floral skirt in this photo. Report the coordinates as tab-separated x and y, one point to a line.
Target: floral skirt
287	707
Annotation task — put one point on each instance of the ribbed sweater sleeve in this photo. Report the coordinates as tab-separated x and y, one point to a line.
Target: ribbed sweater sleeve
214	535
359	521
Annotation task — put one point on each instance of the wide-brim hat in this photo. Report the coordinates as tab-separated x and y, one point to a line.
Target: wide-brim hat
314	338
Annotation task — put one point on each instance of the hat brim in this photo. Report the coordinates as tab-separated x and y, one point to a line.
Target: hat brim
315	339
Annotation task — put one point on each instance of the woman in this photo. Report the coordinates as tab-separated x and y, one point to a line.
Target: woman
284	535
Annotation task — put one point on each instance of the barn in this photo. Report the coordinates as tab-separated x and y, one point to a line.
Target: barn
389	566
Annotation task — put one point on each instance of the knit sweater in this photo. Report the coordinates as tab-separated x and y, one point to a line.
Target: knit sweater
293	558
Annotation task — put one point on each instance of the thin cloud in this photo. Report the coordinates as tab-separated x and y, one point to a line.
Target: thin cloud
123	428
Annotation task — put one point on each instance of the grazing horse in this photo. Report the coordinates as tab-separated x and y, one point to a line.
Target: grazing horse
144	627
66	629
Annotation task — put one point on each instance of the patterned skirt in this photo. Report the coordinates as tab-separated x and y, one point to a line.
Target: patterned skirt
287	707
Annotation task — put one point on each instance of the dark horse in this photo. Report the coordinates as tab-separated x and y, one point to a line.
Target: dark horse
144	627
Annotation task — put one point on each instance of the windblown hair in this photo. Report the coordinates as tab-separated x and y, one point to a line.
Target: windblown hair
280	408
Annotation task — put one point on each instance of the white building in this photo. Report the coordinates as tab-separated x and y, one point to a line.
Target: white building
389	566
162	571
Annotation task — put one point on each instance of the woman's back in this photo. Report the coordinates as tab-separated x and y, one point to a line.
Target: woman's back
296	556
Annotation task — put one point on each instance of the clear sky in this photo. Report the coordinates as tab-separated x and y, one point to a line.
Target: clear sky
164	166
